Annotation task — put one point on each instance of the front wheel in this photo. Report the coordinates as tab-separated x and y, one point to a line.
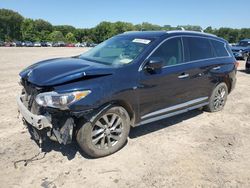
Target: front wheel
107	134
218	98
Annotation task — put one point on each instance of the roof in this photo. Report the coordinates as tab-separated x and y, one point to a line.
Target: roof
156	34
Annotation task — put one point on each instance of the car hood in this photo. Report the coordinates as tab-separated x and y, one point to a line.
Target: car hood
63	70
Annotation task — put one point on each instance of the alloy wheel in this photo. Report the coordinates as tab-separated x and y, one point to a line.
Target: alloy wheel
220	98
107	131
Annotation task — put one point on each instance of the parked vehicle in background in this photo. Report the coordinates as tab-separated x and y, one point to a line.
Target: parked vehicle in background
18	43
43	44
131	79
246	53
49	44
80	44
55	44
37	44
28	44
248	64
242	49
9	44
1	43
59	44
91	45
70	45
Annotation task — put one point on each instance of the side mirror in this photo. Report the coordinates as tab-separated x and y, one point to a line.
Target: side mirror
154	65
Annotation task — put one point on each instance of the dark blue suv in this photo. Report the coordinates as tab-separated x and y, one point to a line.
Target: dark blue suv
131	79
242	49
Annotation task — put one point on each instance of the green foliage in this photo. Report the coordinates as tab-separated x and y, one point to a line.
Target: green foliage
10	24
231	35
14	27
56	36
70	38
42	25
190	27
145	26
121	27
103	31
64	29
28	30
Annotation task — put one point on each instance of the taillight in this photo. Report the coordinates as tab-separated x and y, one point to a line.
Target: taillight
236	64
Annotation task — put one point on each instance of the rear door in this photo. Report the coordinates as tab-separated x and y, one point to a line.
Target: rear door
200	58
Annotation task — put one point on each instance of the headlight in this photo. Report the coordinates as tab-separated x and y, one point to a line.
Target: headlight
62	101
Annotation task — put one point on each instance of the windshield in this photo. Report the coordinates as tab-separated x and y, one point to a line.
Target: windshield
117	50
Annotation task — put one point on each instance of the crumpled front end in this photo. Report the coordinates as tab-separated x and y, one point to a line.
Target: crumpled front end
44	122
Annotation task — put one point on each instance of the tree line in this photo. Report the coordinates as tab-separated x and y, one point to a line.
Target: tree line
14	26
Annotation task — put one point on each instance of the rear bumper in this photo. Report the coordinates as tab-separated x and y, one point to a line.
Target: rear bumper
37	121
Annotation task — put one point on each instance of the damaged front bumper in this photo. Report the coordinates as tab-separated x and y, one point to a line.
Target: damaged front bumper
37	121
41	126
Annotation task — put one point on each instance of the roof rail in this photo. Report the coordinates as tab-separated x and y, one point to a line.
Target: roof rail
187	31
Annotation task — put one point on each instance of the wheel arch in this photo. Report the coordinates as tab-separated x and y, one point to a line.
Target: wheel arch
127	107
227	80
95	112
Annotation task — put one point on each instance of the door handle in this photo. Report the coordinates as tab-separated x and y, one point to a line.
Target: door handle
217	68
183	76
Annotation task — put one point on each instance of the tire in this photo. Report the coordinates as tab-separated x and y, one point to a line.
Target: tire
218	98
107	134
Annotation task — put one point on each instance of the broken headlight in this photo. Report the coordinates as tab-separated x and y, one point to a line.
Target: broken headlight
60	100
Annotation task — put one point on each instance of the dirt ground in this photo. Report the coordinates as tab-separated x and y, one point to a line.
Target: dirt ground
196	149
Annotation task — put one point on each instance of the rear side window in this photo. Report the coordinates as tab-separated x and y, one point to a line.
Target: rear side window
170	51
219	48
197	48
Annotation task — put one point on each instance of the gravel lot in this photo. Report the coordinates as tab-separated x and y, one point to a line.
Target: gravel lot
196	149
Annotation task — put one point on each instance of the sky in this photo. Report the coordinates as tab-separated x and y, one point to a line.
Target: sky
88	13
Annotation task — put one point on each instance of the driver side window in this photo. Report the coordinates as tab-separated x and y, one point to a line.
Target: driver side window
170	52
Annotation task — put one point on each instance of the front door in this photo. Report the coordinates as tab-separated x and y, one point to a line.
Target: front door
165	90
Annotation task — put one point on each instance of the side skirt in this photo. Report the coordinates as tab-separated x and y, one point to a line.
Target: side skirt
170	114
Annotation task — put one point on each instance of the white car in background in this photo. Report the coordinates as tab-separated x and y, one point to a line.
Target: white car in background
80	44
49	44
37	44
